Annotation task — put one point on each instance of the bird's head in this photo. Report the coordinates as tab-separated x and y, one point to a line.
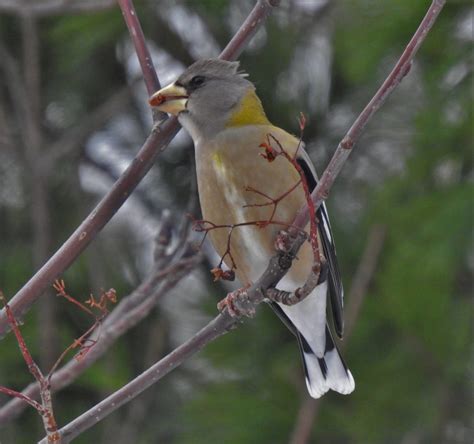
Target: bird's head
210	96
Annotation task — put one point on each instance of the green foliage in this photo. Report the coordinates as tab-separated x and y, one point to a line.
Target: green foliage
235	413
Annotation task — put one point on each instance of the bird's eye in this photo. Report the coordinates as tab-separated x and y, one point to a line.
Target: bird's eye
197	81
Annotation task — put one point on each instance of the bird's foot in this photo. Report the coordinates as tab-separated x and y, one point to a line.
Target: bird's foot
318	276
237	304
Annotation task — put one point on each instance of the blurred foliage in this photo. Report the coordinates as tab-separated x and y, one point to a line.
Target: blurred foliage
410	349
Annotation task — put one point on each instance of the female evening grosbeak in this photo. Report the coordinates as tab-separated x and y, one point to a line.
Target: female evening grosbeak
219	108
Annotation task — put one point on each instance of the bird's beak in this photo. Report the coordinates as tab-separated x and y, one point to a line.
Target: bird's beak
170	99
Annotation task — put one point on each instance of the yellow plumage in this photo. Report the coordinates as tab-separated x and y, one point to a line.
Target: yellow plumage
249	111
226	170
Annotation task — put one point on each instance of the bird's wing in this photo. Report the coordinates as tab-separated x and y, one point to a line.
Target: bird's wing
336	290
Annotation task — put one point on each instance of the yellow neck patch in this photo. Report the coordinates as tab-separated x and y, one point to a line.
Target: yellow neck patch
248	112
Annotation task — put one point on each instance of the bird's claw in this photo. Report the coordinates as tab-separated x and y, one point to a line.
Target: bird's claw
237	304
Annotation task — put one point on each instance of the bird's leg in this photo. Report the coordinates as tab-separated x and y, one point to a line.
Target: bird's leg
237	304
318	275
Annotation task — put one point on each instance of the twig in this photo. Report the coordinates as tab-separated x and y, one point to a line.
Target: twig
150	77
46	406
22	396
249	28
131	310
217	327
366	269
206	226
278	265
158	140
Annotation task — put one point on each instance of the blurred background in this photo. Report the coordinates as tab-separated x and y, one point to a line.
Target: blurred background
73	113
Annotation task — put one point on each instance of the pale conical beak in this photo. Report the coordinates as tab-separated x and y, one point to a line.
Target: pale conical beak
170	99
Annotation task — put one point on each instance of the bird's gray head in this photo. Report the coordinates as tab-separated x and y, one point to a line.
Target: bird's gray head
205	96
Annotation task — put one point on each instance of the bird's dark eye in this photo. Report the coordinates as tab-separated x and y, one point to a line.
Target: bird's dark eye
197	81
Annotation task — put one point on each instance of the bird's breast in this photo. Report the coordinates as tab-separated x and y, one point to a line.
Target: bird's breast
242	196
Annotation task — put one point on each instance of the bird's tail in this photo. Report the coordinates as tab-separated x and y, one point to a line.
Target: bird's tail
324	367
328	372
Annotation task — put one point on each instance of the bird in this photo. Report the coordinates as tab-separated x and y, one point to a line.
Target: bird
239	187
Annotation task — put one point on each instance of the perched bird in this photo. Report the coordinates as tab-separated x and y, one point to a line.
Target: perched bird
220	109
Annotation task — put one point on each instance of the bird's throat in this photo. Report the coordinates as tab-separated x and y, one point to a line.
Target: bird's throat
248	112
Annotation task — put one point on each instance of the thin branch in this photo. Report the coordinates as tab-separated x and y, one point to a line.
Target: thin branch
128	313
217	327
249	28
158	140
46	409
401	69
150	77
363	276
14	394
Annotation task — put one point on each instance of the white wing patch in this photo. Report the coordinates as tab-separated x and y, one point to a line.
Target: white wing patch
309	315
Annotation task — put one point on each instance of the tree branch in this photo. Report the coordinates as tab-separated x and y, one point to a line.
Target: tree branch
45	409
150	77
401	69
158	140
128	313
217	327
248	29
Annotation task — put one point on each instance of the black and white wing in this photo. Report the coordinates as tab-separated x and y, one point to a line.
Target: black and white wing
324	366
336	290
